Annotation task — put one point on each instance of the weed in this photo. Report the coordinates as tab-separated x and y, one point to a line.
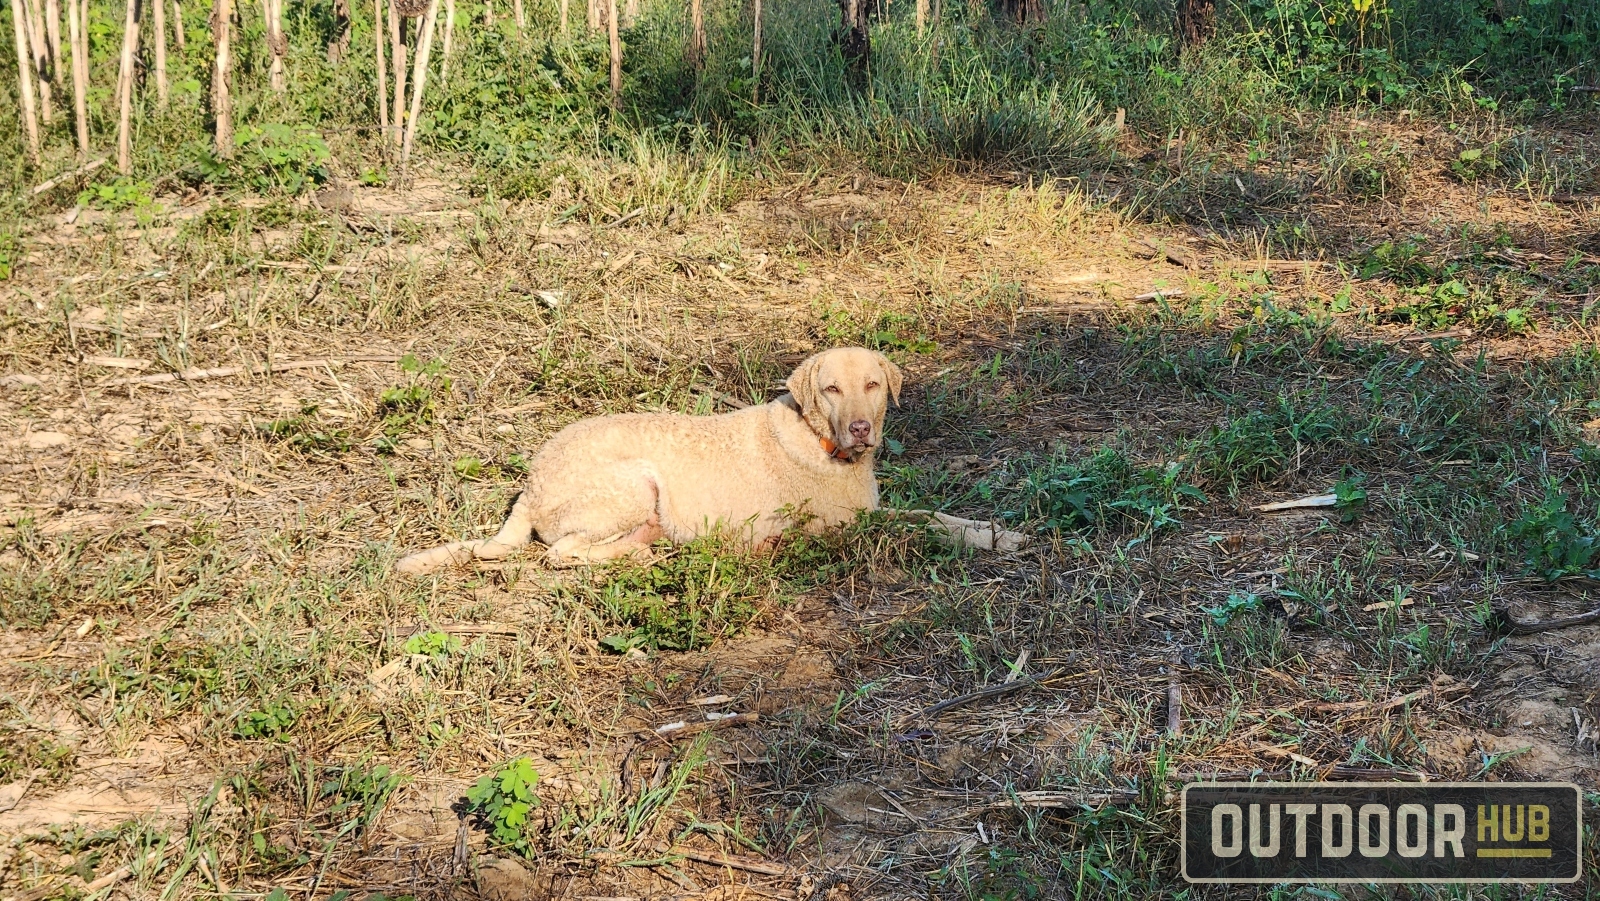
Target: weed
271	721
432	644
1555	543
503	800
1107	493
303	432
1260	444
684	602
406	407
1238	602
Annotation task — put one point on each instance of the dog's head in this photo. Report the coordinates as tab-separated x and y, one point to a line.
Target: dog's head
843	395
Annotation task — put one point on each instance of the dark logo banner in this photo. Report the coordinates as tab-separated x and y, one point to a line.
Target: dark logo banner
1382	832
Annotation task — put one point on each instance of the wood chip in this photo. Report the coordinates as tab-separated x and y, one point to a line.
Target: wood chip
117	362
1384	605
1315	500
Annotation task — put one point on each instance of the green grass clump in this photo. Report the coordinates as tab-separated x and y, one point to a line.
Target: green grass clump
1108	493
1261	444
503	800
1554	543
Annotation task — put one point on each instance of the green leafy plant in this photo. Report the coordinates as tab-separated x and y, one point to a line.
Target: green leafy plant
404	407
1107	492
1555	543
1350	498
1238	602
504	799
271	721
432	644
304	432
274	157
124	193
1474	163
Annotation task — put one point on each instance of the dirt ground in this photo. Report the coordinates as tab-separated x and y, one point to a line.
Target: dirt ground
204	669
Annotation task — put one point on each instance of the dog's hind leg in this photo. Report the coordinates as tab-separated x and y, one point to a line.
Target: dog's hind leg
516	533
619	517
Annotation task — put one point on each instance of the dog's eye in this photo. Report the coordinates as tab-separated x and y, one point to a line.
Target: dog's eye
872	386
832	389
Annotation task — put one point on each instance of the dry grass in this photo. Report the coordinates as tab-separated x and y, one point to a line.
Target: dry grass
197	599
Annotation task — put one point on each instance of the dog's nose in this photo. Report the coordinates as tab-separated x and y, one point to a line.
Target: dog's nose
861	430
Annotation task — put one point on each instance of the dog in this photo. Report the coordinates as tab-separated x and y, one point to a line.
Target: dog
612	486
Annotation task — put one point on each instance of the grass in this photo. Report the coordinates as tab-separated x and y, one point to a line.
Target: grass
1366	247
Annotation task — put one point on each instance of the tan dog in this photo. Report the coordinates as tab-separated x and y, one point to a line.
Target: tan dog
609	487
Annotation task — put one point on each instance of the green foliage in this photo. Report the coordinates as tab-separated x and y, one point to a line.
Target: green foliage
1350	498
685	601
303	432
405	407
432	644
274	157
1238	602
503	801
1260	444
1555	543
123	193
1106	493
24	750
271	721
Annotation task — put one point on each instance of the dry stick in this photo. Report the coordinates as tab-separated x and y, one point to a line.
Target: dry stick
922	17
1175	695
566	28
755	58
30	116
1520	627
420	77
41	57
221	100
65	177
993	691
80	73
52	35
160	39
397	59
191	375
130	41
177	25
516	13
449	40
616	54
593	14
488	13
383	74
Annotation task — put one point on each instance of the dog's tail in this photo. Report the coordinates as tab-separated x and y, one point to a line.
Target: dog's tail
516	533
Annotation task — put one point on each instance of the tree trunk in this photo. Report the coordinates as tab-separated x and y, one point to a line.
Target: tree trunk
383	74
397	59
159	7
696	51
79	36
130	43
221	99
922	17
1196	20
755	57
419	78
522	20
593	16
52	36
632	14
566	27
30	115
855	40
177	25
616	54
33	11
340	45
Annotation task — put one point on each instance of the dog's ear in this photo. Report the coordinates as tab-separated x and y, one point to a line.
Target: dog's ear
891	377
802	383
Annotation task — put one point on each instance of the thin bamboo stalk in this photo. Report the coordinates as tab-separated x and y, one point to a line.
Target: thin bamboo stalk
449	39
78	35
221	99
593	16
922	17
755	57
30	115
383	74
566	27
632	14
397	59
273	12
419	78
616	54
52	36
160	39
177	25
516	13
34	12
130	43
488	13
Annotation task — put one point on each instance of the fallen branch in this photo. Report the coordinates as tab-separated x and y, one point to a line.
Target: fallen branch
65	177
1507	623
675	731
1318	500
984	694
980	534
1057	799
1175	695
719	860
1152	295
193	375
1442	687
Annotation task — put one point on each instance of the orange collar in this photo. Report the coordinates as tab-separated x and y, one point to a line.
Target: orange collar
834	451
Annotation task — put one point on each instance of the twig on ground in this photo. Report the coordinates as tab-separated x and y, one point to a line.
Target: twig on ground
1506	622
1442	687
1175	694
1316	500
65	177
675	731
984	694
192	375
